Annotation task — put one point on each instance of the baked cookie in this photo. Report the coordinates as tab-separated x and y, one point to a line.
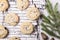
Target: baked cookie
33	13
3	32
3	5
26	27
12	19
14	38
22	4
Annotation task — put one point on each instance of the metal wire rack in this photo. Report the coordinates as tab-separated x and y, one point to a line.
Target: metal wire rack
15	31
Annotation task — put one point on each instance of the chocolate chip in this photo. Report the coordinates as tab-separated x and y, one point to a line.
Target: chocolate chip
5	28
16	38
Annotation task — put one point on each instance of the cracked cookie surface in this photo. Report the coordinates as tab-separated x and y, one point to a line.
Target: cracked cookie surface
22	4
4	5
33	13
12	19
3	31
26	27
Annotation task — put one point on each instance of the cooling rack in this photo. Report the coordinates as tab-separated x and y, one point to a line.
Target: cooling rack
14	30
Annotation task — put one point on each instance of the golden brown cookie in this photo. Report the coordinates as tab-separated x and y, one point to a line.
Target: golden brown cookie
26	27
22	4
4	5
12	19
3	32
33	13
14	38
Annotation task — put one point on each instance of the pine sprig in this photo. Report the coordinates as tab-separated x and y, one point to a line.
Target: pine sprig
51	23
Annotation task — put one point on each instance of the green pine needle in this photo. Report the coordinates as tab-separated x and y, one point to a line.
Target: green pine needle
51	23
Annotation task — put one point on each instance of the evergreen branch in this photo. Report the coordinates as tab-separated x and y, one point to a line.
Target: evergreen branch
55	8
49	7
52	21
51	33
51	27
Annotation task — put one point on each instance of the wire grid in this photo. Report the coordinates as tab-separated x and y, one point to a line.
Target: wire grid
15	30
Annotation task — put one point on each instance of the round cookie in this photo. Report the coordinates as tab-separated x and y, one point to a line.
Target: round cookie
27	28
14	38
33	13
12	19
3	32
3	5
22	4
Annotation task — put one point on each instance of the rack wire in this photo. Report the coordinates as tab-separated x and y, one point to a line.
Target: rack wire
15	30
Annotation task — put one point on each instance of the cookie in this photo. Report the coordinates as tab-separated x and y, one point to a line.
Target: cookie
4	5
14	38
22	4
3	32
12	19
26	27
33	13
